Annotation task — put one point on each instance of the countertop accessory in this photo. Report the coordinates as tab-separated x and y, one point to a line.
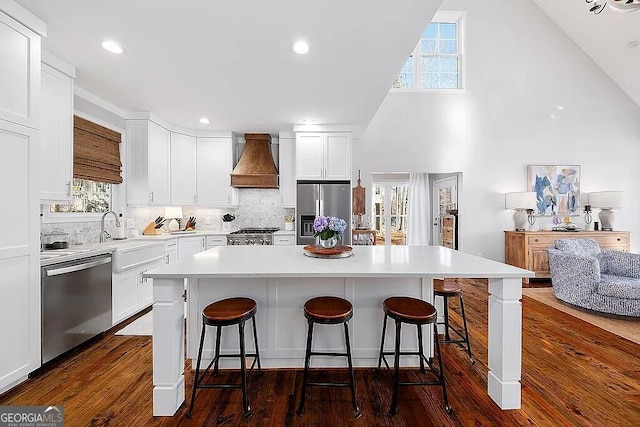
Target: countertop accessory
173	213
358	202
55	240
191	224
226	221
151	229
338	251
288	222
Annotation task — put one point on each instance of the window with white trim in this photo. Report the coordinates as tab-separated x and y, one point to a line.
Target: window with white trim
87	197
437	60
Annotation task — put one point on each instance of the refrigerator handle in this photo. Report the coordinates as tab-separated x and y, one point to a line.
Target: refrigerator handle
320	202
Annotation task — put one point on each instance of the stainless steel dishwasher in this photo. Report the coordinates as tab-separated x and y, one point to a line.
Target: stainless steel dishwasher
76	303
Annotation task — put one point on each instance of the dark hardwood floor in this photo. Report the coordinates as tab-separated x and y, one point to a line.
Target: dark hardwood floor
574	374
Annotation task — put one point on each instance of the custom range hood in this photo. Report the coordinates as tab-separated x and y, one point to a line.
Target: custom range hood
256	168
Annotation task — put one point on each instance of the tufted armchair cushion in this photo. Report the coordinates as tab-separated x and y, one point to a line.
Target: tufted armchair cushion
583	247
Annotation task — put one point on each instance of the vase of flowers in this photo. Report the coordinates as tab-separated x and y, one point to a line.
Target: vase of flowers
329	229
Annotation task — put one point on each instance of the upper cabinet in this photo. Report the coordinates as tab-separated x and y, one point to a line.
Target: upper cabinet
171	168
56	130
213	172
20	70
323	156
148	157
287	170
183	170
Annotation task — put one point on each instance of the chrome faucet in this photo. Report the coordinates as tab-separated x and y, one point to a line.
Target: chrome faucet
103	234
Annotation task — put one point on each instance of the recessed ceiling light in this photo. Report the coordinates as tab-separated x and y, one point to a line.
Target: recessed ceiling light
205	121
559	107
301	47
308	122
112	47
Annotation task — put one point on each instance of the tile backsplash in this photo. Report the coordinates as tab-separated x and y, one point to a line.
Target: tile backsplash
256	208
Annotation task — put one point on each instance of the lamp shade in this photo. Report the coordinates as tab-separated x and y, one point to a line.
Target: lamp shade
173	212
606	199
520	200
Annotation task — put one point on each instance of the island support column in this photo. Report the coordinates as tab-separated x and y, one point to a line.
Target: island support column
168	346
505	342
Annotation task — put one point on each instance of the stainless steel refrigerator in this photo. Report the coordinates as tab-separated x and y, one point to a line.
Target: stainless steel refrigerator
326	199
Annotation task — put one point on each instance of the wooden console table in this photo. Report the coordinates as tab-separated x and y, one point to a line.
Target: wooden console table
528	249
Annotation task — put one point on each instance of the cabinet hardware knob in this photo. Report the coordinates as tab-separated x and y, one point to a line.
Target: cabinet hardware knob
536	240
618	239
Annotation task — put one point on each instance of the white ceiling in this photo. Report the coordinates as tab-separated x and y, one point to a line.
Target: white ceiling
603	37
233	61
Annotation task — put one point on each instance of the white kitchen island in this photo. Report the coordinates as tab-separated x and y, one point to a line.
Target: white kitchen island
282	278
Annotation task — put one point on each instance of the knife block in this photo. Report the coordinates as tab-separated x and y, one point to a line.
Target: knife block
151	230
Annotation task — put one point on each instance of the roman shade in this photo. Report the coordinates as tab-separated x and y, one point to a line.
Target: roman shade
96	152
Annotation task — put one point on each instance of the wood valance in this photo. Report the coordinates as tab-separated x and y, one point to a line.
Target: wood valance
96	152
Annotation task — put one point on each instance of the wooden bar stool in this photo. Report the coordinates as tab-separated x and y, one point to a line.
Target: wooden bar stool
448	288
328	311
227	312
416	312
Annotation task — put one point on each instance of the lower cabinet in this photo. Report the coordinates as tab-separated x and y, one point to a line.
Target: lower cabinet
131	292
188	246
216	240
285	239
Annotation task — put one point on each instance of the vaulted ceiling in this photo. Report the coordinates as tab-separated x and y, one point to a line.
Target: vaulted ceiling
232	61
608	38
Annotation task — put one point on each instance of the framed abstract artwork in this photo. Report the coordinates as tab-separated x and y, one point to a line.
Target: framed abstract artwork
557	189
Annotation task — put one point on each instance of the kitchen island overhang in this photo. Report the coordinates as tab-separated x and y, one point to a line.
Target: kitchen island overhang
282	278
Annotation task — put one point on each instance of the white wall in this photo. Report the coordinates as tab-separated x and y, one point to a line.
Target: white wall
520	66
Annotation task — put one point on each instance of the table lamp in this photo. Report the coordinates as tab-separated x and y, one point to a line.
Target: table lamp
520	202
606	201
173	213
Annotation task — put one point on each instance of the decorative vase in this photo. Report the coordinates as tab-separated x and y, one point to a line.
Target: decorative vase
329	243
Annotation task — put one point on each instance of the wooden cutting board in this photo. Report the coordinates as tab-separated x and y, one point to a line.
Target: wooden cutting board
358	198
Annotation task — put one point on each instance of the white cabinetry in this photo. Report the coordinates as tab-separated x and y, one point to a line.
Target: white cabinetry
124	294
20	69
183	169
56	131
131	292
216	240
213	172
148	163
188	246
323	156
287	170
171	251
284	239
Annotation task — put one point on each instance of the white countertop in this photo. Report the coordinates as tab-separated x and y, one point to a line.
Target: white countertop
367	261
76	252
169	236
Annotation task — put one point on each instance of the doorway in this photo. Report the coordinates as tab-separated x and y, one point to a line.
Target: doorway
444	200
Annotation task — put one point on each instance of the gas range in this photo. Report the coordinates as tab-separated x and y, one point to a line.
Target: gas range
252	236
